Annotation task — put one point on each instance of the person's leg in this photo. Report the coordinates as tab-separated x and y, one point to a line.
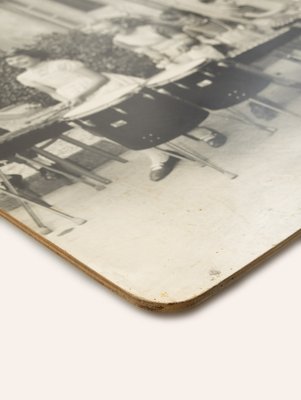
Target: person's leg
156	157
161	163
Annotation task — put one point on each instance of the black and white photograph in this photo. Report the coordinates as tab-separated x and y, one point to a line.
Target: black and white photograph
154	144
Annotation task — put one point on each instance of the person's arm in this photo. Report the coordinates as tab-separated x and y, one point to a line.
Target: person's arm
154	55
51	92
84	82
266	9
167	32
41	88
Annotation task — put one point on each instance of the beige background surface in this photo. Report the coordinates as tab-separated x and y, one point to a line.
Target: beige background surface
63	336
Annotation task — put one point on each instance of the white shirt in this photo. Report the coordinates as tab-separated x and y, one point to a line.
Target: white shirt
142	36
145	38
70	79
227	9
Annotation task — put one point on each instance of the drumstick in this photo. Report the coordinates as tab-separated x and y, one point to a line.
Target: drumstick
78	221
199	158
72	178
24	203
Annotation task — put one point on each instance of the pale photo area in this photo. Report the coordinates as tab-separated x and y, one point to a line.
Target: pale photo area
154	144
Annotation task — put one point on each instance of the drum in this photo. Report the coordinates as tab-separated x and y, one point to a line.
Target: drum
216	87
145	120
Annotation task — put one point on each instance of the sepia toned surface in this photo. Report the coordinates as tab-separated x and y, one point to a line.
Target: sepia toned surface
168	244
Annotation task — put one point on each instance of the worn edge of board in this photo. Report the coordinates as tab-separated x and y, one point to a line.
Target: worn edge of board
139	301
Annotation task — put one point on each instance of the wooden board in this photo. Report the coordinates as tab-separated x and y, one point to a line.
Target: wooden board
229	202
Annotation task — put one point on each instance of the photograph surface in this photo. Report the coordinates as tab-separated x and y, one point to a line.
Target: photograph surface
155	144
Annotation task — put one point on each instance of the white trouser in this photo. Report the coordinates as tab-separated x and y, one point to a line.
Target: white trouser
158	157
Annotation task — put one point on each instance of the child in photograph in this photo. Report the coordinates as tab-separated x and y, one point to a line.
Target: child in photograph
165	45
231	10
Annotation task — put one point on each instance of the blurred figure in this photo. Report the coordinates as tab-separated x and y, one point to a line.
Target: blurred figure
111	105
165	45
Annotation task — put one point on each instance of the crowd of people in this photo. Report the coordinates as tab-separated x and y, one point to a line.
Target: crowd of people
129	110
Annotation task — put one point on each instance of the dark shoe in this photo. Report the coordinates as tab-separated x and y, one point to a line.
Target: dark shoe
216	140
166	168
262	112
